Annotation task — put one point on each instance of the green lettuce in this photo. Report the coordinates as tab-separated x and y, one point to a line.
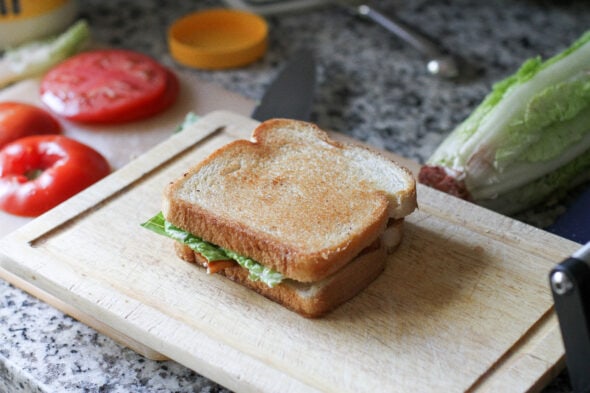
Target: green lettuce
211	252
34	58
554	183
530	125
189	120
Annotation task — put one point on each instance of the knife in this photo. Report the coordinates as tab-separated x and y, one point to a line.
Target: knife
570	286
291	93
574	224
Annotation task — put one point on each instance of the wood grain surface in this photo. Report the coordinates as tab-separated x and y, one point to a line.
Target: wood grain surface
463	304
121	143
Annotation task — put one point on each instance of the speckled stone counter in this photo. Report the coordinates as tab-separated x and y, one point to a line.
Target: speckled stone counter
371	86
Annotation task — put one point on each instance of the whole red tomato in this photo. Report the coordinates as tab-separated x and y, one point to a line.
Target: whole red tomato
39	172
18	119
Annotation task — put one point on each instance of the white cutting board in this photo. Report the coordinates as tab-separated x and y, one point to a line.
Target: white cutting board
463	304
122	143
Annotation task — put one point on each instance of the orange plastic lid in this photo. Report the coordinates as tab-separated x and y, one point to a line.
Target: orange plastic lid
218	38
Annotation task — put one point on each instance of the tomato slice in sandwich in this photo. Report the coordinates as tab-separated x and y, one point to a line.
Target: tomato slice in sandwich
108	86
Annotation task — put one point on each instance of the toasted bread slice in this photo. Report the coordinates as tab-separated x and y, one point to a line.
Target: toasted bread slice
291	198
316	299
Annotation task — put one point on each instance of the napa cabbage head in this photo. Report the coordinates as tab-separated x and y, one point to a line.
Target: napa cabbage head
531	124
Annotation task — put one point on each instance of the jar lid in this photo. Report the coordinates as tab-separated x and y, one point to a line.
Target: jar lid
218	39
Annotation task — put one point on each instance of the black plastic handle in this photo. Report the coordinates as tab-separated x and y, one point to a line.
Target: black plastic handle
570	285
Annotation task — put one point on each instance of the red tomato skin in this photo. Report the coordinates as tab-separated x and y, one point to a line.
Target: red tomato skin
106	86
163	103
18	120
67	166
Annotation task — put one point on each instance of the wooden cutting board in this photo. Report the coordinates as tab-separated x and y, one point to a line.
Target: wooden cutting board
463	304
122	143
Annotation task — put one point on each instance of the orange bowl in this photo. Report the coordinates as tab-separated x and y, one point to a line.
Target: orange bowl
218	39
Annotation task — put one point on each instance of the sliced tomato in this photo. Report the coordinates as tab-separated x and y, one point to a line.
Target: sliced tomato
39	172
18	119
107	86
165	101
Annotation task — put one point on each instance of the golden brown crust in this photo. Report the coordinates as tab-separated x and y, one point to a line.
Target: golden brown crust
287	259
309	300
293	199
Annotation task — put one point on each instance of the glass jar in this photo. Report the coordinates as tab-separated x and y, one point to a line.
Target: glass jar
27	20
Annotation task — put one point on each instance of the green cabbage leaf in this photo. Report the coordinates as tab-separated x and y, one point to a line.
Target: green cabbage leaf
36	57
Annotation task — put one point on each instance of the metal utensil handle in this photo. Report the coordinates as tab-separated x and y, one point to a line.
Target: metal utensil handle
439	63
409	35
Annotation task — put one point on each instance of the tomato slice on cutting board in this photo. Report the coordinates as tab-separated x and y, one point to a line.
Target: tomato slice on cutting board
18	120
41	171
108	86
166	100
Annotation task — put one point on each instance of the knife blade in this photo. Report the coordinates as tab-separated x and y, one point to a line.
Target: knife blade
290	95
574	224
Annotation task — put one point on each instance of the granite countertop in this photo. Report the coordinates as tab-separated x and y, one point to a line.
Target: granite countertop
371	86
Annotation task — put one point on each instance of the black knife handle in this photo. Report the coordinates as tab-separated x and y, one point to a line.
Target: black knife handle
570	285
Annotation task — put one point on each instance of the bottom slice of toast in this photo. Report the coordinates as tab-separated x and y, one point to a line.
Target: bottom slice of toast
316	299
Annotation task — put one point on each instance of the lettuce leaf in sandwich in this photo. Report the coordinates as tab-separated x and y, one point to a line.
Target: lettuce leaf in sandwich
211	252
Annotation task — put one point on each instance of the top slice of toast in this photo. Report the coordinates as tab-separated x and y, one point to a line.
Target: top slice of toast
291	199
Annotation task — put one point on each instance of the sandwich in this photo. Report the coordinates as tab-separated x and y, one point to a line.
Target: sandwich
301	219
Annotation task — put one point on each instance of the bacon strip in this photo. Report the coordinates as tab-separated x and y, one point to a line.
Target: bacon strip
217	266
214	266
